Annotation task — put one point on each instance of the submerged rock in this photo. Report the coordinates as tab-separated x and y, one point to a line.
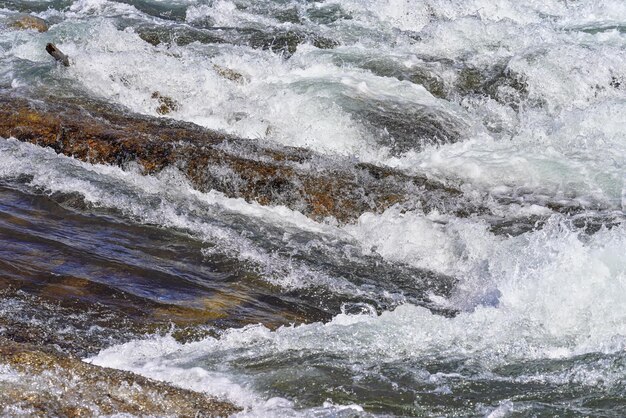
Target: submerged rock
405	127
269	175
287	42
229	74
288	15
182	35
29	22
498	82
327	14
42	382
163	10
279	41
166	104
416	74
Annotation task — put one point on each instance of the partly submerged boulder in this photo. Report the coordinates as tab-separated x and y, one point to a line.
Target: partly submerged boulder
315	185
39	381
24	21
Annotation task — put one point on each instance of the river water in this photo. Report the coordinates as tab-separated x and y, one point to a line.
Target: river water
409	312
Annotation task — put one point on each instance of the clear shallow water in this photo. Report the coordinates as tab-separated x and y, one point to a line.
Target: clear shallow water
521	104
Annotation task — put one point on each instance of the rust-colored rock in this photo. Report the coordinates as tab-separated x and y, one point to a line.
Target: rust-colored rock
270	175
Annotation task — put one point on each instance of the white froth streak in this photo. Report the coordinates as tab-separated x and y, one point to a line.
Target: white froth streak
560	297
168	200
556	295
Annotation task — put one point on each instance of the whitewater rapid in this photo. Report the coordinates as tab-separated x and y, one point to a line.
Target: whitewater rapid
520	104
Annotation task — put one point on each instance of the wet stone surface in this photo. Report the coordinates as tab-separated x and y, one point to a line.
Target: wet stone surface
38	381
285	42
66	284
315	185
25	22
261	173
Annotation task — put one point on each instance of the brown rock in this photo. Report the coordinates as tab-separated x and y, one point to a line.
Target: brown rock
24	22
300	179
43	382
166	104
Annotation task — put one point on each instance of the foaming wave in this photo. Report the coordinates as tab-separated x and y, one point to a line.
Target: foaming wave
268	106
276	242
557	139
559	298
556	298
577	156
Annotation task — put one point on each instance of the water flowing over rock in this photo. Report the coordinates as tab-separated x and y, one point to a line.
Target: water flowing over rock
313	208
316	185
214	161
29	22
41	382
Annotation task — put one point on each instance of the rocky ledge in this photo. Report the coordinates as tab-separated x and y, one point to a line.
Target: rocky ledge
315	185
39	381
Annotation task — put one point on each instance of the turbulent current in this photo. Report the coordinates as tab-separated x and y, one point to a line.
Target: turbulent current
517	309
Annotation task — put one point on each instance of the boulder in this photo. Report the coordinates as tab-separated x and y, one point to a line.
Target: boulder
24	21
315	185
43	382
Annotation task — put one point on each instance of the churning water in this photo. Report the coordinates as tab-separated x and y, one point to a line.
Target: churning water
520	104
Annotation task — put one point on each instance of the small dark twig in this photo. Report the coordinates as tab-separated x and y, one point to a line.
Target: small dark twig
58	55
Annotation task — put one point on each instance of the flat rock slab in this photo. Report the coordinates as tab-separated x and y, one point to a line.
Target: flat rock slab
36	381
315	185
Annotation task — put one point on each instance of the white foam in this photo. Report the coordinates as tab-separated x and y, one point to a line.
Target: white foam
555	295
579	154
169	200
568	138
548	294
563	146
